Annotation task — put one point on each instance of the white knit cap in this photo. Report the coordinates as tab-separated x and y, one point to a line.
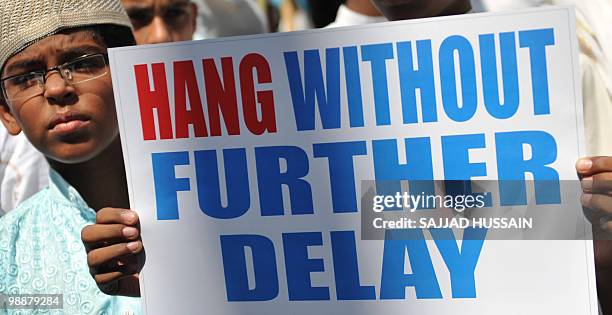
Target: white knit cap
23	22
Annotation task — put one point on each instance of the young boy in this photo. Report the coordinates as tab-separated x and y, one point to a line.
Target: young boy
23	169
56	89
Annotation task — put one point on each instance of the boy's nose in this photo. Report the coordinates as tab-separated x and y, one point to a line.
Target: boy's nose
57	90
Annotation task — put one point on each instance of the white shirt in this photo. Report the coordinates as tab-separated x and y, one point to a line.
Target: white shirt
596	73
593	31
348	17
221	18
23	170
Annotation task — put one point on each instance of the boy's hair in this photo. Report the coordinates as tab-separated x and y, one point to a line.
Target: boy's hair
24	22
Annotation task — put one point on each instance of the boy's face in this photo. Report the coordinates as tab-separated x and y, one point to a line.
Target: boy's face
415	9
67	123
162	21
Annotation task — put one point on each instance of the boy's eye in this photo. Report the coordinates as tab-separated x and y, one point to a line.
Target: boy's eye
90	65
25	81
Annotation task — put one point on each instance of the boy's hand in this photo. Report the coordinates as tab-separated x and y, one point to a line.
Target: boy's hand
115	253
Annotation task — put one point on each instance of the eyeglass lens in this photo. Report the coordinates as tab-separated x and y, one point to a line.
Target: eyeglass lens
77	71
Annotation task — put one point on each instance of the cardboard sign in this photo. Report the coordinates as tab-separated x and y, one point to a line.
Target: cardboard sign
245	158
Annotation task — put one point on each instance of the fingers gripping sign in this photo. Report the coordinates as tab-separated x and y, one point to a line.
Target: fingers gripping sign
595	175
115	253
596	181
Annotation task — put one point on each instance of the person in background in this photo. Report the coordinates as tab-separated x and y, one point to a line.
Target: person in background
357	12
416	9
162	21
294	15
221	18
595	40
323	12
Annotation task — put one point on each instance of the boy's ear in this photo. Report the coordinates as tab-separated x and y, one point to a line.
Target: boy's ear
8	120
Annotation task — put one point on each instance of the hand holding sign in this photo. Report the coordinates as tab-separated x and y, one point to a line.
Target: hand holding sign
115	253
596	181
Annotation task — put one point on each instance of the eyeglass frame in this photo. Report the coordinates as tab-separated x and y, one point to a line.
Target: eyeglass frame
56	68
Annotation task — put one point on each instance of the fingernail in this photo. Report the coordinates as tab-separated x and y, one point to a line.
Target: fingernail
129	231
132	246
128	216
587	183
584	164
585	199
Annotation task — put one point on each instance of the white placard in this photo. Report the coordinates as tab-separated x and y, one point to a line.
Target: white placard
293	122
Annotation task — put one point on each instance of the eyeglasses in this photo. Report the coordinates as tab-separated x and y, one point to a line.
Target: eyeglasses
27	85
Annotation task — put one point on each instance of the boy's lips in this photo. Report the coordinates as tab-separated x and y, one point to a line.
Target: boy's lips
68	122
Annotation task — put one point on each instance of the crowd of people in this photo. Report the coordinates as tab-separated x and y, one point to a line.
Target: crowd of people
60	140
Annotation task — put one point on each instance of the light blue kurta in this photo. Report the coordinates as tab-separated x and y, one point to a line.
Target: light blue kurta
41	253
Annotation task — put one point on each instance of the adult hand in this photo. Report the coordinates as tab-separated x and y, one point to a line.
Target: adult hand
595	175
